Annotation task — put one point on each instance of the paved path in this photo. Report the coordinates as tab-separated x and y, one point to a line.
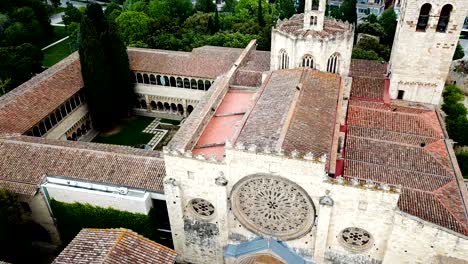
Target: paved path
56	42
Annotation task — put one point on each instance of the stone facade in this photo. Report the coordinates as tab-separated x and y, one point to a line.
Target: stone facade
423	49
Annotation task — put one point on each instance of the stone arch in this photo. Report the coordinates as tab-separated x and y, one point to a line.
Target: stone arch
160	106
88	125
186	83
133	76
77	100
180	83
180	109
158	80
139	78
68	107
173	81
83	128
444	18
153	105
47	123
143	104
36	131
333	63
53	119
58	115
152	79
189	109
308	61
423	19
167	107
193	84
207	85
166	81
201	85
72	103
146	78
79	132
63	111
283	59
74	136
173	107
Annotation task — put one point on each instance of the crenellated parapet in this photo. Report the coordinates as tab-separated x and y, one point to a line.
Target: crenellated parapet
362	184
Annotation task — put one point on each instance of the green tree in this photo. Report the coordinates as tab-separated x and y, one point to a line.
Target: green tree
359	53
205	6
286	8
459	52
260	18
388	21
135	5
11	218
371	44
167	10
198	23
462	158
71	14
229	6
216	21
103	60
374	29
111	7
133	26
348	11
55	3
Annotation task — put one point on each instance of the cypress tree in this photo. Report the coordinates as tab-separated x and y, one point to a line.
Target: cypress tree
216	21
348	11
105	70
261	20
211	28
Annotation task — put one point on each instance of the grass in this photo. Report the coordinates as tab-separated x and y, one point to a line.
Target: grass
56	53
131	133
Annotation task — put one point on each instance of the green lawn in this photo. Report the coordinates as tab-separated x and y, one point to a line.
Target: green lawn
56	53
131	133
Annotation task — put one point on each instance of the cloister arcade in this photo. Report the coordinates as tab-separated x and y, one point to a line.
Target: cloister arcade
176	106
172	81
56	116
80	128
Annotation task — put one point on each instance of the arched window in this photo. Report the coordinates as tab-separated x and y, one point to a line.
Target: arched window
160	106
133	76
315	5
444	18
153	105
180	108
158	79
193	84
173	81
83	128
139	78
53	119
283	60
36	132
143	104
189	109
207	85
166	81
88	125
167	107
313	20
333	63
308	61
78	132
72	103
174	107
152	79
180	84
201	86
145	78
77	100
58	115
63	111
42	128
423	19
186	83
67	104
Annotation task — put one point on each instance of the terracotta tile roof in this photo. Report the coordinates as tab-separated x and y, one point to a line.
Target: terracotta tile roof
112	246
258	61
368	87
294	119
367	68
204	62
404	145
30	102
295	26
24	161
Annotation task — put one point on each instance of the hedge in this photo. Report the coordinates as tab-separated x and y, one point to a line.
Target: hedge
71	218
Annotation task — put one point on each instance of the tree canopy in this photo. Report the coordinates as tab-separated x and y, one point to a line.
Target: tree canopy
105	69
134	26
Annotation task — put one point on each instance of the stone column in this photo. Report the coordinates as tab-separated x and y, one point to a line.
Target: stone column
323	223
223	211
173	196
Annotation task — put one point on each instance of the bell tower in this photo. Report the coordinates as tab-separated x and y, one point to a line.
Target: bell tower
425	41
314	13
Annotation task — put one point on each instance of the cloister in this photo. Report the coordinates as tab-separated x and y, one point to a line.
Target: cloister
172	81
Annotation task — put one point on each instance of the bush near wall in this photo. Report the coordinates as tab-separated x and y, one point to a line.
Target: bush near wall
457	122
71	218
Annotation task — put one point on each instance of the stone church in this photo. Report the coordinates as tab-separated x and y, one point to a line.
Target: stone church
298	155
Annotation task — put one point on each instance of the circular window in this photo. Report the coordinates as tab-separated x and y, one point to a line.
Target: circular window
201	207
356	239
272	206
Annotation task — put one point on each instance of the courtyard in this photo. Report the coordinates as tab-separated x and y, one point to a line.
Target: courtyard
141	132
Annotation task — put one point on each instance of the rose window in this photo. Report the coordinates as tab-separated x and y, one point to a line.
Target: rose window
273	206
201	207
356	239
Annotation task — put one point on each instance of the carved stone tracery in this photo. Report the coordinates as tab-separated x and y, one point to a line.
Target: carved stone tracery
273	206
356	239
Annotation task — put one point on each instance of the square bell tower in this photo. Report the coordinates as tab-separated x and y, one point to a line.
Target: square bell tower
314	13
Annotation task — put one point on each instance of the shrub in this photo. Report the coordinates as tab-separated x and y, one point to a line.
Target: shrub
456	121
71	218
462	158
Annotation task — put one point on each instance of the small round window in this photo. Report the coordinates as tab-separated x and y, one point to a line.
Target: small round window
201	208
356	239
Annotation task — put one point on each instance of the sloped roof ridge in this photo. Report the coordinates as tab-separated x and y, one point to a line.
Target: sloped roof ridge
36	80
46	144
462	222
